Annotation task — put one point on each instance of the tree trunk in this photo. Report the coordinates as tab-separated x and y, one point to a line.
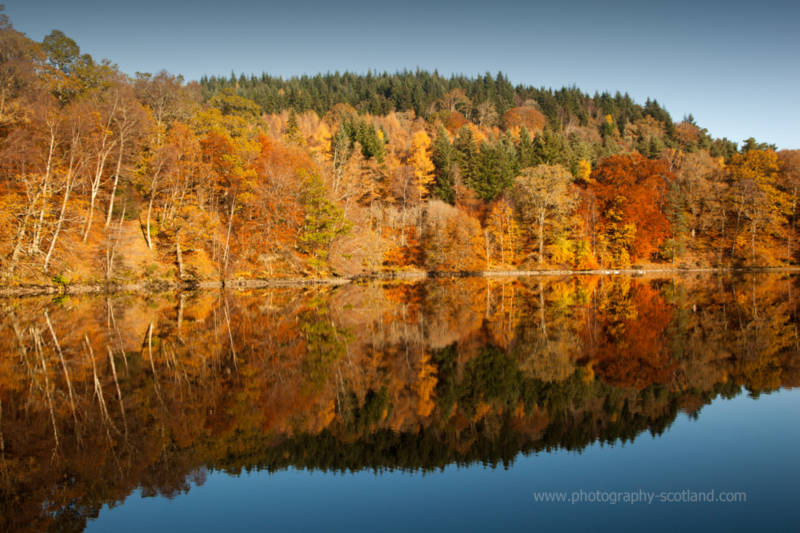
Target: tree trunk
542	321
67	189
541	237
228	237
95	186
18	238
102	154
63	366
116	181
488	251
37	232
111	251
150	211
178	255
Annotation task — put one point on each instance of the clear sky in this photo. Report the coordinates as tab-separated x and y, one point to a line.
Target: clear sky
734	65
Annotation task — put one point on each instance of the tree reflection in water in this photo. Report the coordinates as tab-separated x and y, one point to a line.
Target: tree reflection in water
103	395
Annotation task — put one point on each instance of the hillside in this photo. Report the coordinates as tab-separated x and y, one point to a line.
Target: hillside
110	178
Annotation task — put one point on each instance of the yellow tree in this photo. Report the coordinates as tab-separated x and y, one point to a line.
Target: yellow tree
584	169
320	141
420	159
543	196
501	233
790	174
758	200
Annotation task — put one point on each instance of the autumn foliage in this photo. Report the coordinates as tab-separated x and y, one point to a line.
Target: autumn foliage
107	178
629	192
524	117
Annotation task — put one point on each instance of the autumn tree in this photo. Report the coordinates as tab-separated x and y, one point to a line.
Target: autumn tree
131	125
217	172
73	73
790	180
74	161
20	58
501	234
524	117
167	97
454	99
420	160
757	199
276	210
452	240
101	140
631	193
543	197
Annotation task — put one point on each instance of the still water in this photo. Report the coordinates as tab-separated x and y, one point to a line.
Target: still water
601	403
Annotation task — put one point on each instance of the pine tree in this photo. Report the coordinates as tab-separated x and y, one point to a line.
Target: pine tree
443	157
527	156
551	148
293	133
467	154
497	168
324	221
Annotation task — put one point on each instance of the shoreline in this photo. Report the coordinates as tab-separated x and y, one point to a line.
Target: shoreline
161	286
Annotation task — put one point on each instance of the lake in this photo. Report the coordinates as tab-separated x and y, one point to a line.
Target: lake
538	403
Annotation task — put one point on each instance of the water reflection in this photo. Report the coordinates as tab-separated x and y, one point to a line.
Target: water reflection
99	396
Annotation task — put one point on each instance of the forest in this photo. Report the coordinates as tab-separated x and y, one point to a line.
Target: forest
103	395
111	178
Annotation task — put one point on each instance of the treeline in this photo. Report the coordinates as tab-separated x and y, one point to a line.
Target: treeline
483	100
101	396
107	177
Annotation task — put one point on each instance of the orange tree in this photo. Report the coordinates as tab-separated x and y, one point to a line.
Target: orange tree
629	192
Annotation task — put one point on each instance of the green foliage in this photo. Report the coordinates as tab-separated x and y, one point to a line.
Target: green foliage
497	166
81	72
621	108
419	91
653	109
720	147
489	170
751	144
362	419
551	148
492	376
325	343
358	130
324	221
651	147
467	154
525	149
230	103
443	156
676	211
293	133
61	280
62	52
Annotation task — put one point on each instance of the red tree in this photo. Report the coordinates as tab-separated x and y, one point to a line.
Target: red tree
631	190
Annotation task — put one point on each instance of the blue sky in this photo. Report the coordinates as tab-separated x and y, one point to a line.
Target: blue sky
734	65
